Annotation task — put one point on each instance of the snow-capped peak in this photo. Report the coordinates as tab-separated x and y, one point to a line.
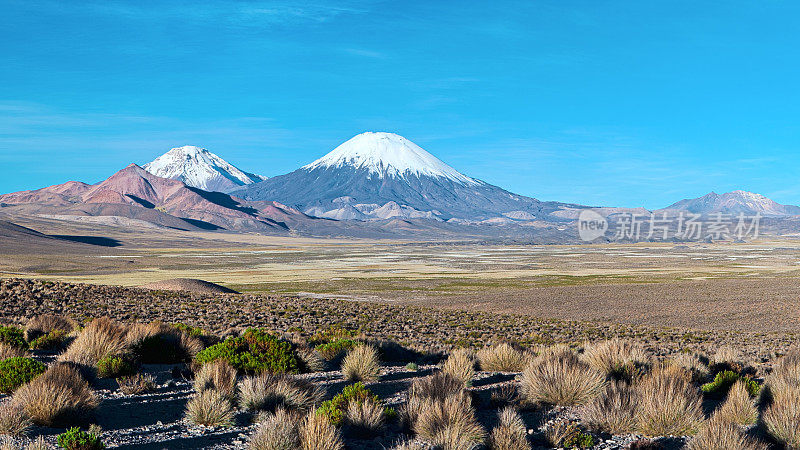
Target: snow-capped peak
388	154
198	167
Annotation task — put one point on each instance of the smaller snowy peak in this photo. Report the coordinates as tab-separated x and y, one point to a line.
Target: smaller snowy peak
735	202
388	155
199	168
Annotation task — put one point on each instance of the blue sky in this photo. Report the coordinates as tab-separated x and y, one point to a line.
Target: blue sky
596	102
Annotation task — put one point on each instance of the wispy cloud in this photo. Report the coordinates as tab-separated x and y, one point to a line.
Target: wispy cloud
365	53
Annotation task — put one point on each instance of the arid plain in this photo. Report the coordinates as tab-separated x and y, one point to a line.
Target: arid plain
750	287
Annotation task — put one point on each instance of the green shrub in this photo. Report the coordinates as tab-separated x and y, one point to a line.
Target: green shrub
75	439
255	351
53	340
188	329
115	367
579	439
412	366
334	408
13	336
334	349
14	372
331	334
724	380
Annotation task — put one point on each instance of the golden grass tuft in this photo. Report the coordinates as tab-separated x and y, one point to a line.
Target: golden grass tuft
560	378
159	343
502	358
13	420
364	418
669	404
210	408
317	433
510	433
361	364
268	392
782	417
739	408
217	375
720	434
691	362
617	359
60	395
613	411
102	337
278	431
460	365
11	351
450	423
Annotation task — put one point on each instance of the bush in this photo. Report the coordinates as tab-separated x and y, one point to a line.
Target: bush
253	352
723	382
210	408
460	365
332	350
510	432
13	336
75	439
317	433
271	392
60	395
277	431
54	340
560	378
334	409
502	358
361	364
115	367
450	424
218	375
137	384
46	324
614	411
157	343
669	404
102	337
13	420
14	372
617	359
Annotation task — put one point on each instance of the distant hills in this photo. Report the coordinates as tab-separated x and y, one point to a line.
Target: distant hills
374	185
733	203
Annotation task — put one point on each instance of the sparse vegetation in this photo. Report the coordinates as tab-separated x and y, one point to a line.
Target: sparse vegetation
137	384
278	431
217	375
334	409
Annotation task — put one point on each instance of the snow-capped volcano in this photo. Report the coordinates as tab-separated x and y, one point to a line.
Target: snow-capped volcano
387	155
734	203
199	168
385	176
